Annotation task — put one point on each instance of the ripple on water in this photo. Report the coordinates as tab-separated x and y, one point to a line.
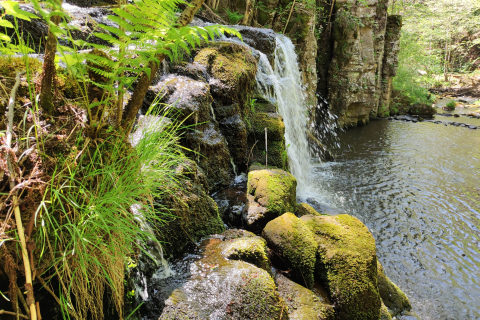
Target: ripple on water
417	187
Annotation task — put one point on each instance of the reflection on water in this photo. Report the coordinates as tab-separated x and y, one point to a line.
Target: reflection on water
417	187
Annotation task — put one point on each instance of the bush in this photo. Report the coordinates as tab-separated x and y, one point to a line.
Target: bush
450	106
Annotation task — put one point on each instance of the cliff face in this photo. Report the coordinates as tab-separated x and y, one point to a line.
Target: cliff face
346	51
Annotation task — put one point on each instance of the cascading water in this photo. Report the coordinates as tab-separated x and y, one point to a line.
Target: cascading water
282	85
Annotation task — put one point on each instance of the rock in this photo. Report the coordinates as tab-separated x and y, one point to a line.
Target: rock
423	110
391	295
194	216
384	314
195	71
259	38
304	209
272	121
34	32
270	193
302	303
231	68
211	153
292	241
276	155
235	132
231	234
347	265
189	99
249	249
224	289
89	3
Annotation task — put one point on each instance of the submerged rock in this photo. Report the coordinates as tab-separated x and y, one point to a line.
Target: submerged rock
224	289
347	265
270	193
302	303
294	243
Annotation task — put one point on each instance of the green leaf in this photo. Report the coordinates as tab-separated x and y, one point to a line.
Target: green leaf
5	23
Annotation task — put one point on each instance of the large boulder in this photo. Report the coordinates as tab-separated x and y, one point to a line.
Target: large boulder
347	265
224	289
294	243
194	214
264	40
392	296
270	193
303	304
231	68
190	99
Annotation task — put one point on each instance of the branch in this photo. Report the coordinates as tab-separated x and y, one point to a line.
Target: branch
18	217
136	101
13	314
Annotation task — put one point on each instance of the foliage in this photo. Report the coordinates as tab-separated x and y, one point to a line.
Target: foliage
413	62
13	9
450	106
233	16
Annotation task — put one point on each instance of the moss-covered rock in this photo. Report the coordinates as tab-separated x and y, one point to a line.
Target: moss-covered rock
249	249
294	243
270	193
272	121
276	153
392	296
194	216
304	209
303	304
384	314
232	69
224	289
347	265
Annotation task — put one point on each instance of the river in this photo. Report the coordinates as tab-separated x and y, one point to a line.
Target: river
417	187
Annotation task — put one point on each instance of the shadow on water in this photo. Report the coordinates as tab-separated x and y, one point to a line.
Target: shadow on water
417	187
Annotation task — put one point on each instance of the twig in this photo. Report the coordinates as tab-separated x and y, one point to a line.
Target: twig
10	313
214	15
18	216
266	148
289	16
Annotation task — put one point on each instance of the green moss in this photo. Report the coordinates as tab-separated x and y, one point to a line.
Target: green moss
293	242
10	65
384	314
347	264
272	121
392	296
249	249
304	209
273	189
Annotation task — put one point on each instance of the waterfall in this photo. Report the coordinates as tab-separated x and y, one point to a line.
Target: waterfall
282	85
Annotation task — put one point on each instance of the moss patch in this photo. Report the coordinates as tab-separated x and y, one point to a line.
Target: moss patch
248	249
304	209
347	264
293	242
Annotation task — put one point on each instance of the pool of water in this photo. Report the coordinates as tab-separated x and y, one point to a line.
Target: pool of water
417	187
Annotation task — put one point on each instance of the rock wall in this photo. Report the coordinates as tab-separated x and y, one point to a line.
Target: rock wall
342	50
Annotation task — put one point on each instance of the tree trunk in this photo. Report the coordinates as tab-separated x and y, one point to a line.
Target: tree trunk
247	17
48	72
136	101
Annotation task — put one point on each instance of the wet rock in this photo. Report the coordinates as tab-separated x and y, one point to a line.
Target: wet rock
293	242
251	249
259	38
231	68
235	131
224	289
89	3
270	193
384	314
194	214
302	303
391	295
193	70
272	121
211	153
189	99
304	209
347	265
34	32
237	233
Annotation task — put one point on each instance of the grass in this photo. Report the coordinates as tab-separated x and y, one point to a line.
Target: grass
87	229
233	16
450	106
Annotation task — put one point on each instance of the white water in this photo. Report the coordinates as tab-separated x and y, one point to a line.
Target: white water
282	85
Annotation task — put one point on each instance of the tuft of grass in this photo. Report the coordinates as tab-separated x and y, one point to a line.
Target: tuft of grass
450	106
87	229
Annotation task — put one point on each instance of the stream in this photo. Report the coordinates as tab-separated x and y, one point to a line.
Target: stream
417	187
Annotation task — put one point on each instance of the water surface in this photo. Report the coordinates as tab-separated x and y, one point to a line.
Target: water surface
417	187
